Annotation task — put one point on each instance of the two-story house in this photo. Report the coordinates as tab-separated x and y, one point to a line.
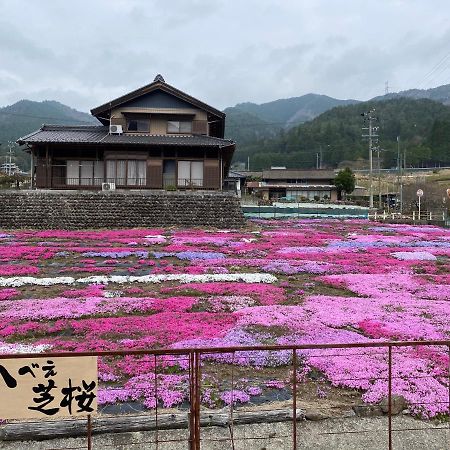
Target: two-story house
156	137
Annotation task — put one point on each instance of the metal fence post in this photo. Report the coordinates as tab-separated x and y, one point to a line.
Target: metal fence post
194	426
294	400
390	396
156	403
89	432
197	399
448	380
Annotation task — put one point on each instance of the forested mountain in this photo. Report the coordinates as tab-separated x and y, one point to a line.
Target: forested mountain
439	94
292	110
287	112
26	116
272	133
245	128
422	125
262	121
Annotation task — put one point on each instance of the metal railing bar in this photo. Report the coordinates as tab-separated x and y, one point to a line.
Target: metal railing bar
394	430
213	350
115	445
250	438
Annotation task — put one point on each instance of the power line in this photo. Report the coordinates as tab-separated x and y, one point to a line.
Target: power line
438	66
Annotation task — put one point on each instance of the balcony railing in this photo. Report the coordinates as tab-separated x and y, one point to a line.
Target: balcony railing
182	183
97	182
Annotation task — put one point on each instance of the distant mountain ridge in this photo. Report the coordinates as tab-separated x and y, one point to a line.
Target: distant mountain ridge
291	111
249	124
25	116
439	94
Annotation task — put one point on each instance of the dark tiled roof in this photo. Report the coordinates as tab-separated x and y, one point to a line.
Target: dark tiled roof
283	174
60	133
100	135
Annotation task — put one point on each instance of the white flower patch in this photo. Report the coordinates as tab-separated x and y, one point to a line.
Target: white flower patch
112	294
121	279
23	348
414	256
155	239
25	281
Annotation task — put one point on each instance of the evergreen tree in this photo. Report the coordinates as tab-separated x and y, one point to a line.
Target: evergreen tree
345	181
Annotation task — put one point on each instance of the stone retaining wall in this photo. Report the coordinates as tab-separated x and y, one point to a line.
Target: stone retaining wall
81	210
353	433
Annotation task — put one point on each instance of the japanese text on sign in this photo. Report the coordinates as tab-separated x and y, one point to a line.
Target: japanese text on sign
48	387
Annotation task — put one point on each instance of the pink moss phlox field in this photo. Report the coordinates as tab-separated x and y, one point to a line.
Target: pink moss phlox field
7	294
334	281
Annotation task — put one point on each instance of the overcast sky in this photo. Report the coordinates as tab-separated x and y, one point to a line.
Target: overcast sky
84	53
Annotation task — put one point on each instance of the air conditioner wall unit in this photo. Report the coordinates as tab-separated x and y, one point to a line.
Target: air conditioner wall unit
115	129
108	186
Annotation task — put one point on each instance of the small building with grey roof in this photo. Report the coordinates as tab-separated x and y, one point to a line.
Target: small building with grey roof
294	185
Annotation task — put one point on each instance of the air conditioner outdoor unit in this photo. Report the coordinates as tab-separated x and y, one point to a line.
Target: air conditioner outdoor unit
115	129
108	186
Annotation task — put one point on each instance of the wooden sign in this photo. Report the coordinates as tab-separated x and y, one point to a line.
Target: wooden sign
39	388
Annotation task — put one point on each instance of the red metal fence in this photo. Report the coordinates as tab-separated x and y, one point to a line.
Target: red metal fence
198	361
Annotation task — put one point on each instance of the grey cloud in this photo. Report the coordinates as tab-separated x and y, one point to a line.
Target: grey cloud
220	51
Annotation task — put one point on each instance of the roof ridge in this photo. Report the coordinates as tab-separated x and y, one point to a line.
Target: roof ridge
21	139
47	126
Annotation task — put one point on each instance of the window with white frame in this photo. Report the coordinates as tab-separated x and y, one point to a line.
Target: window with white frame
126	172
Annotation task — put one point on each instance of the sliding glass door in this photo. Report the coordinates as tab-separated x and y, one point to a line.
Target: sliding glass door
190	173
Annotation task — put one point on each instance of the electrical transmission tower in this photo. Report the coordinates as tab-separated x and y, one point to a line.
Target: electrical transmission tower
369	119
386	87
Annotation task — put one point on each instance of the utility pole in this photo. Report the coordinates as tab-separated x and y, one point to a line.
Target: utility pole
399	175
10	156
404	159
369	115
379	177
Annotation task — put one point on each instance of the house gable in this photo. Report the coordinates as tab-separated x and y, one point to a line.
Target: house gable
156	99
165	93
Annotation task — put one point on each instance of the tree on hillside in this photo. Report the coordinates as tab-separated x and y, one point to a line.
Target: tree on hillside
345	181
